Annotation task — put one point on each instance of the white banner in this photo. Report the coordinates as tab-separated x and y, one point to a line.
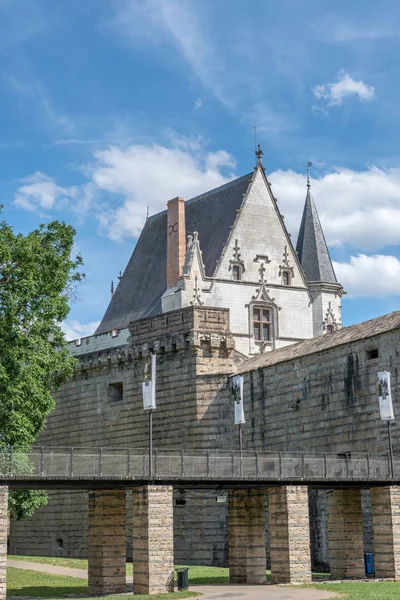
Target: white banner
149	385
385	396
237	391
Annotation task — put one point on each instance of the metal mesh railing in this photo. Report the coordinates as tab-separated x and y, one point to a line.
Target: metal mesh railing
213	465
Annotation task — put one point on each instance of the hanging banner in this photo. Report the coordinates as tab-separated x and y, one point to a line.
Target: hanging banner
385	396
149	384
237	391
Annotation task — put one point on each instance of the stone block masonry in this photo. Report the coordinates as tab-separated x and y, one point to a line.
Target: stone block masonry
3	539
345	534
386	527
246	526
153	540
289	533
107	542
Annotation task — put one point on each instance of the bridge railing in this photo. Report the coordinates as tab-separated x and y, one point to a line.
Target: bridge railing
133	463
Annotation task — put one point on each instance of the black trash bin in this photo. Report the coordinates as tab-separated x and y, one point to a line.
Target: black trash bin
183	578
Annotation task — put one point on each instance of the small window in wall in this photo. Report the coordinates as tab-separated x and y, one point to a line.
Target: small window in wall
330	329
262	324
236	273
60	543
371	354
116	391
286	278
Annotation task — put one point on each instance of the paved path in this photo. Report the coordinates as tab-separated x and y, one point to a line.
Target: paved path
209	592
50	569
259	592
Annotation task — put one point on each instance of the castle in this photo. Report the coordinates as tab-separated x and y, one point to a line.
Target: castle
214	286
229	248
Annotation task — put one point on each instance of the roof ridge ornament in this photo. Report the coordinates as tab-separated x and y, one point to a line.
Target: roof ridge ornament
309	165
259	154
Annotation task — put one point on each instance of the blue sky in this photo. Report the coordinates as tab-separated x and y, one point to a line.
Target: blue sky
110	106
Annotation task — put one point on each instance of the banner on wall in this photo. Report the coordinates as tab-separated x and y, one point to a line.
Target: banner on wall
237	391
385	396
149	384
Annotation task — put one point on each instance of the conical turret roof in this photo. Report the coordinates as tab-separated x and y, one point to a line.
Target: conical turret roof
311	246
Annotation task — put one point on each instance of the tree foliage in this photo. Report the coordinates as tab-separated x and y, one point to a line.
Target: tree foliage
37	281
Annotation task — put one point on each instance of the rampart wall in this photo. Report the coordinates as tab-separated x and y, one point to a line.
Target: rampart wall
322	402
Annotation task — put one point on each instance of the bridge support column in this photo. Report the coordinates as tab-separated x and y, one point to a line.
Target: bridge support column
153	540
3	539
345	534
289	531
386	527
107	542
246	532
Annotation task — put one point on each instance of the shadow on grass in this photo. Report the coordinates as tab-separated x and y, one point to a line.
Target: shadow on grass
45	591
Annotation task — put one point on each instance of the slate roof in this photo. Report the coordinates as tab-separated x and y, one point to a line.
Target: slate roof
138	294
319	344
311	246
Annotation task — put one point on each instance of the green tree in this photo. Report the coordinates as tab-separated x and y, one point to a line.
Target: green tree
37	282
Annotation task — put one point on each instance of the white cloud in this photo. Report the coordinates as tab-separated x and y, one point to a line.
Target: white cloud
75	330
334	93
39	191
358	208
198	104
150	176
373	276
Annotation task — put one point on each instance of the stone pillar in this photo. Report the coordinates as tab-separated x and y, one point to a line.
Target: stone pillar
3	539
386	527
289	531
153	540
107	542
246	533
345	534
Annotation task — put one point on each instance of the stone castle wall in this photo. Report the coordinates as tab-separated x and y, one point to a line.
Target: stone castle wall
324	402
194	354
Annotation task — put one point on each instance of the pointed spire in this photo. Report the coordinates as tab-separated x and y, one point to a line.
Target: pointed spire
311	245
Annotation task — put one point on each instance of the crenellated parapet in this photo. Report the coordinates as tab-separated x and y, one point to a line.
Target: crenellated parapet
200	328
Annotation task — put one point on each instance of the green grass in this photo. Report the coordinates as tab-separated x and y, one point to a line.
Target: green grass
197	575
21	582
363	590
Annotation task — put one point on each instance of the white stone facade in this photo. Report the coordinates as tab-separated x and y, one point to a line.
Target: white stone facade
259	249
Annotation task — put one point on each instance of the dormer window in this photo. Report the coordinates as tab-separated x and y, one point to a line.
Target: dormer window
286	279
236	273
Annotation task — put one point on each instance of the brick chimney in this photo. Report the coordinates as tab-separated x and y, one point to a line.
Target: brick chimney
176	240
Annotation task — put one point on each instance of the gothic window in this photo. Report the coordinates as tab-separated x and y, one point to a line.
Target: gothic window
262	324
236	273
286	278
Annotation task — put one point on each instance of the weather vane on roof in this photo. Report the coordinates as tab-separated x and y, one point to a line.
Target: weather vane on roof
309	165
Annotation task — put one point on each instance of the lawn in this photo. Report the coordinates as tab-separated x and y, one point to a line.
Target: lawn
21	582
30	583
363	590
197	575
